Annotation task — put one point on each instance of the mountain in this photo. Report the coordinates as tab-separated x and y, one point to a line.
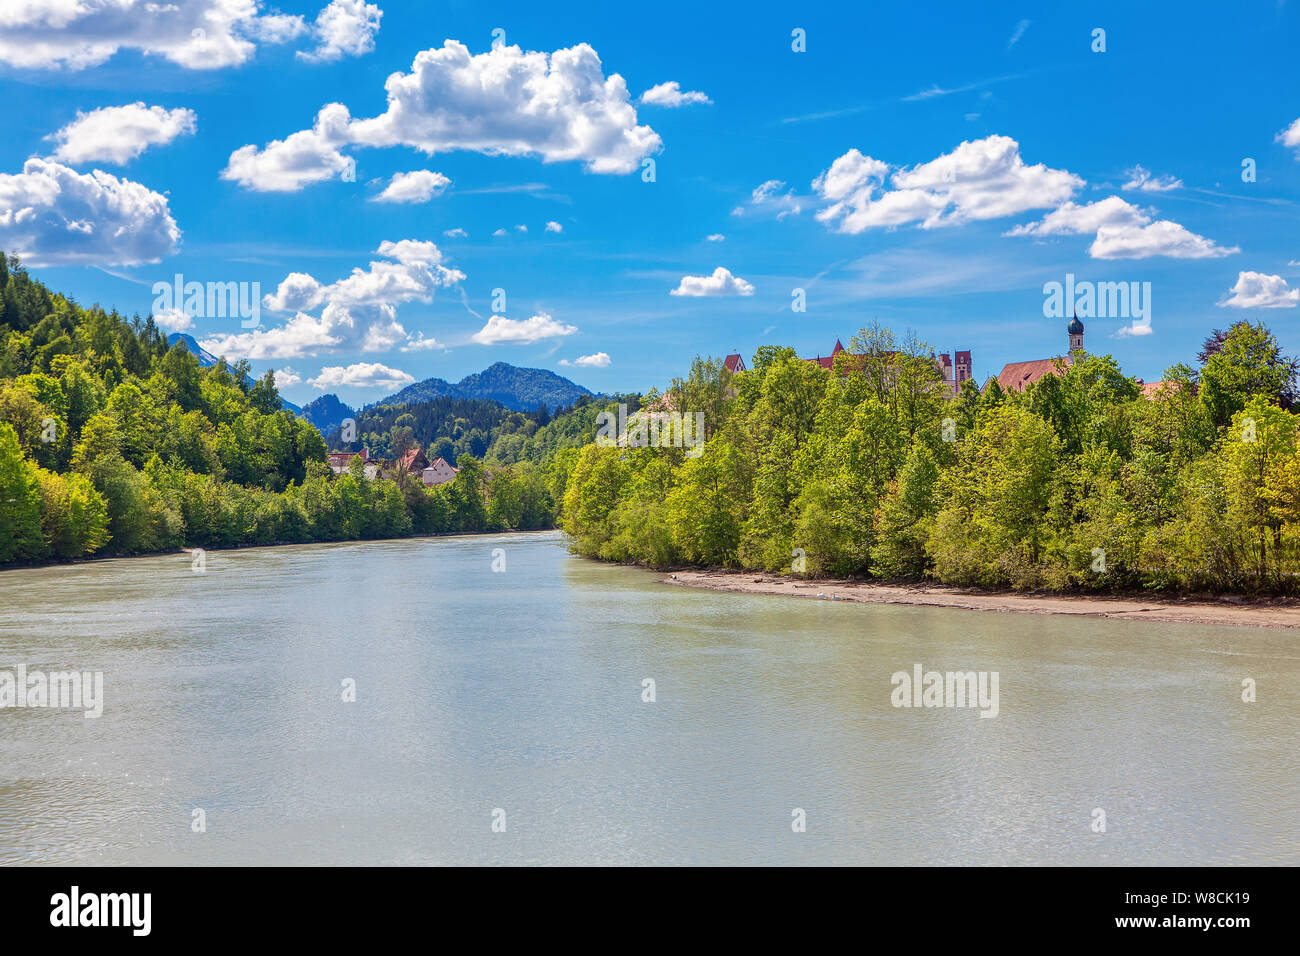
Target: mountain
207	360
520	389
326	413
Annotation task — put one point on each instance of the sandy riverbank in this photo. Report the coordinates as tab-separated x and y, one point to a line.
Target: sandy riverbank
1239	612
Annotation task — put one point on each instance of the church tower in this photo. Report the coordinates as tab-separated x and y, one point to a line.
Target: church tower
1075	330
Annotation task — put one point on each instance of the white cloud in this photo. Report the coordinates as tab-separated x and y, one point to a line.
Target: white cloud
301	336
1138	327
308	156
715	237
1139	178
53	215
1019	31
195	34
769	197
1291	137
521	228
359	311
1257	290
499	232
344	28
554	226
286	378
499	329
118	134
1075	220
1162	238
980	179
419	185
457	233
722	282
361	375
1123	231
596	360
173	320
671	94
554	106
419	343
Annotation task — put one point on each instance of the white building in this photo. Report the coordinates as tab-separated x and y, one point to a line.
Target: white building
439	473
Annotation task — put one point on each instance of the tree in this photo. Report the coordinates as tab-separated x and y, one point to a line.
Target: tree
1244	361
21	537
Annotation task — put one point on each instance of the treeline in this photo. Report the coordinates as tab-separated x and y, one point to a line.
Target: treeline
113	443
1082	481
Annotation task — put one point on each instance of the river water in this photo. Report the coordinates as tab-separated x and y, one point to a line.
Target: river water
499	717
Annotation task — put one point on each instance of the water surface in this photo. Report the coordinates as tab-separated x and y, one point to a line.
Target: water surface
522	691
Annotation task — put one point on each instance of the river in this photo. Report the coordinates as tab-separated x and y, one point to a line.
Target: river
500	718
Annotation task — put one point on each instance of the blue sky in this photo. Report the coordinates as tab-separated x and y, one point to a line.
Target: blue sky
1122	165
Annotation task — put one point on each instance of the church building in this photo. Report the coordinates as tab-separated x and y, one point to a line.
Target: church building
1018	376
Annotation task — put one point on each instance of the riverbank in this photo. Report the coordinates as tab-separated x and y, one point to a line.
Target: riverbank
1232	610
245	546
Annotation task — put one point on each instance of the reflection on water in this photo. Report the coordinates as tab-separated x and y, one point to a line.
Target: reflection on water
522	691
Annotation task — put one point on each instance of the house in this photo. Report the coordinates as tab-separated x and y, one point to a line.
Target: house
341	461
1018	376
412	462
438	473
734	363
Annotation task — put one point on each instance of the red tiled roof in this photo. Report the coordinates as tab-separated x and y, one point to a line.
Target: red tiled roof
1018	376
734	363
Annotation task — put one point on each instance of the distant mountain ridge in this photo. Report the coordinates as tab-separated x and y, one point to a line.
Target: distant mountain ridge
327	412
520	389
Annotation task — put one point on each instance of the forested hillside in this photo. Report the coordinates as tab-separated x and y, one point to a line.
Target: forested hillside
1080	482
113	443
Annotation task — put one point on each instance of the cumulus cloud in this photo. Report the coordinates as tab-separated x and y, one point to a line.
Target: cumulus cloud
1123	231
557	107
286	377
521	228
344	28
418	343
53	215
1291	137
595	360
980	179
361	375
722	282
1162	238
499	232
173	320
500	330
671	94
1075	220
195	34
1139	178
1257	290
715	237
457	233
359	311
118	134
308	156
420	185
554	226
